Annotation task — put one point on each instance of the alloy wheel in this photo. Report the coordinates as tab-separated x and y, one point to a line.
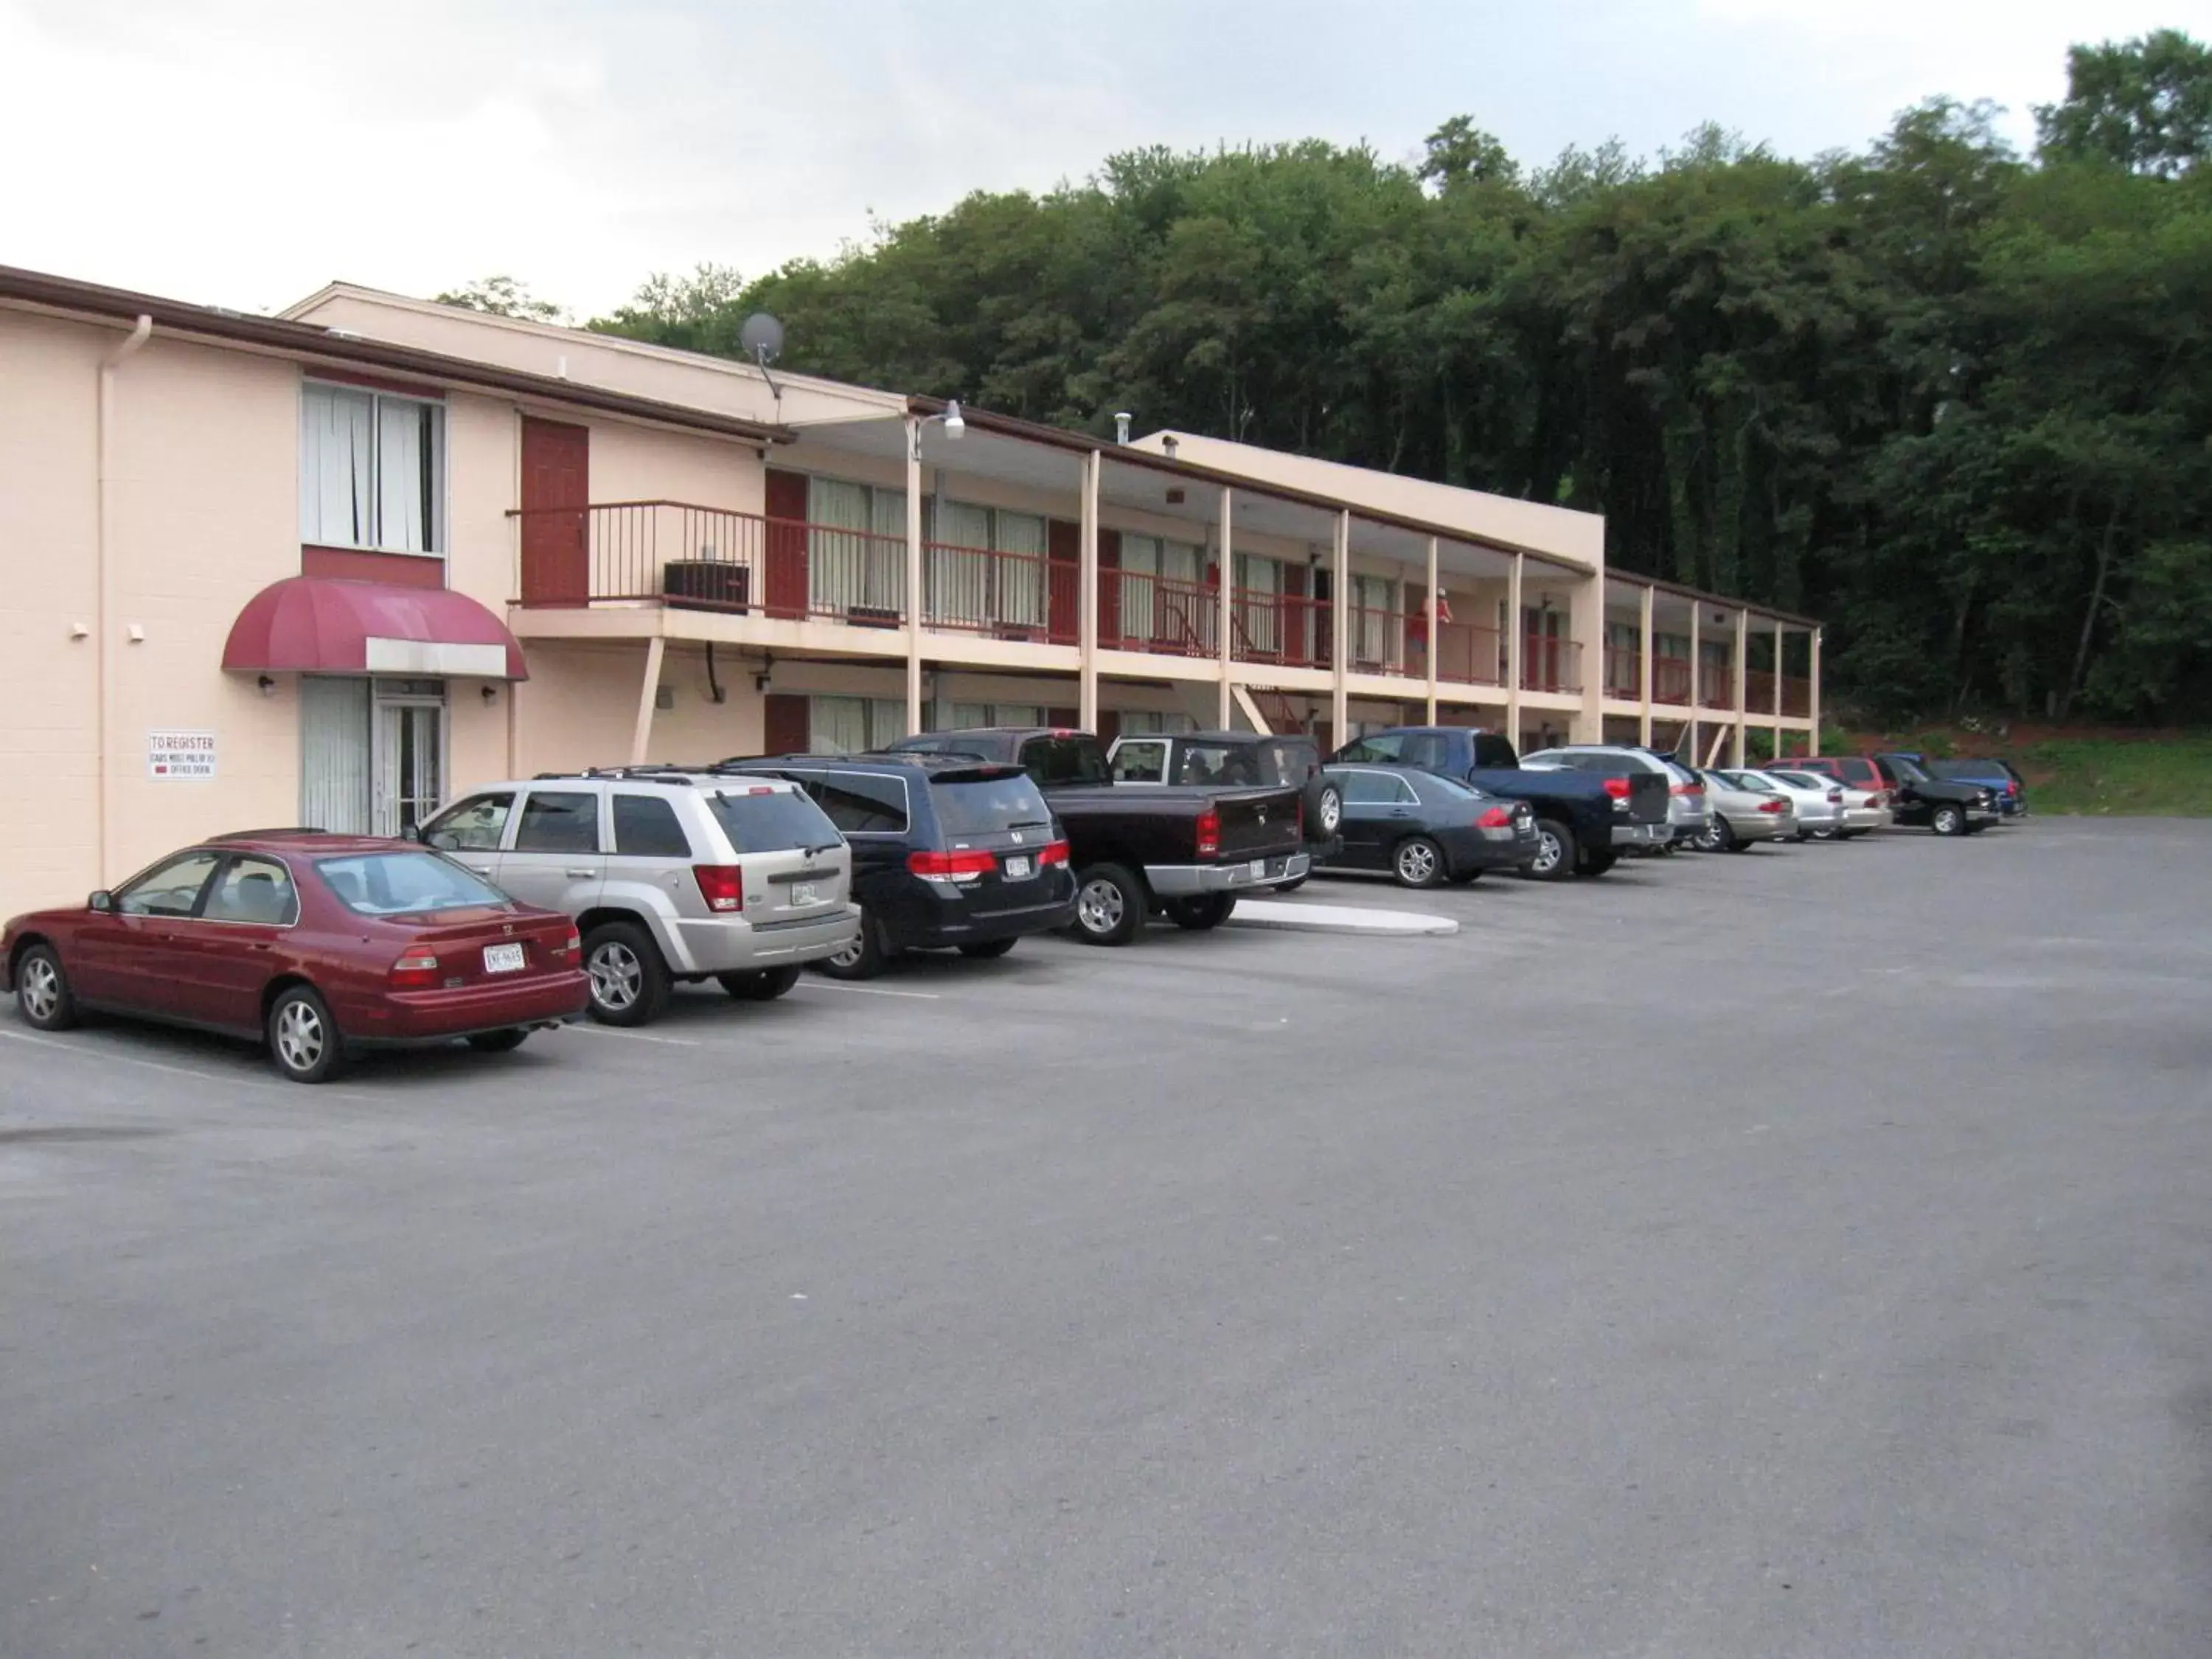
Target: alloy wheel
617	975
1548	853
41	989
299	1035
1099	908
848	954
1332	811
1417	864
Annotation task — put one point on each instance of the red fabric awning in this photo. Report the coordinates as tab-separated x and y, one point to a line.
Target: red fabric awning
331	625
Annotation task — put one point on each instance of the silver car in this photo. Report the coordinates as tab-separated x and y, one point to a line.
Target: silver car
1818	802
1688	814
1744	811
1863	809
671	876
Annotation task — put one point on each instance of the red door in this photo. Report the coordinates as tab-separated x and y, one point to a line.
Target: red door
1109	588
1063	582
1295	627
557	487
787	544
787	725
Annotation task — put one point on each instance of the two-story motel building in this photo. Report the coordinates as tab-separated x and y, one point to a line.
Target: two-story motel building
332	567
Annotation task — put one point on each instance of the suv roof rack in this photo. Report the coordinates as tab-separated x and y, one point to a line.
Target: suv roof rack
657	772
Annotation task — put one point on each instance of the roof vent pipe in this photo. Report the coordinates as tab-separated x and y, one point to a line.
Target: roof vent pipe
1122	426
1168	448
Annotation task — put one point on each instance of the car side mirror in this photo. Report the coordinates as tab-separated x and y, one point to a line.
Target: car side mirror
102	901
411	832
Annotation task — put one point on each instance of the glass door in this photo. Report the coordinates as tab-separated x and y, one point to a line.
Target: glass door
411	760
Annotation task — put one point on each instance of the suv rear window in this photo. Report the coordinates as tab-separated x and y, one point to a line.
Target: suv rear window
984	806
773	821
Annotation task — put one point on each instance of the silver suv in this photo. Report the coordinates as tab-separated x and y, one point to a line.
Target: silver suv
671	875
1689	815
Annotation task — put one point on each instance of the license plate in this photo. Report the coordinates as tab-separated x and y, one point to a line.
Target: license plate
1259	868
805	892
502	958
1018	869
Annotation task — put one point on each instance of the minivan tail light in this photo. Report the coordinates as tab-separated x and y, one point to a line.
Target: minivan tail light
722	885
1498	817
417	971
1209	833
1053	852
967	862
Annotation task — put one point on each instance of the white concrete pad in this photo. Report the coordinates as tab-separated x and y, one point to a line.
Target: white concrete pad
1336	919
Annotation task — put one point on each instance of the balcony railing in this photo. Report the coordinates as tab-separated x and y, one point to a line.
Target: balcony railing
1162	615
1796	697
1467	655
1550	664
1624	672
1290	630
1670	680
1716	686
1005	596
1376	641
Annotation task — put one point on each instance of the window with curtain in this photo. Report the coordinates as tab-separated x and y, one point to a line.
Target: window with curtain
372	470
852	725
856	548
1151	722
1375	631
1258	581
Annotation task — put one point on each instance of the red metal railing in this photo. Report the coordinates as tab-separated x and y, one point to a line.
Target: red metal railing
1159	614
1376	642
1550	664
1670	680
1289	628
1624	672
1796	696
1717	685
1467	655
1007	596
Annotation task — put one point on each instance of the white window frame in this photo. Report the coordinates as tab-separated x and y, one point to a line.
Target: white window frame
442	466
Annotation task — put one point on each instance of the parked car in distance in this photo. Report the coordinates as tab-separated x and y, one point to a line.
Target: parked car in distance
1183	853
1585	819
950	852
1863	809
1818	802
1996	774
1236	760
1745	810
1424	828
1689	818
673	875
317	946
1948	808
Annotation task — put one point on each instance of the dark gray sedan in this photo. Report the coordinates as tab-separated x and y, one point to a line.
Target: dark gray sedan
1425	828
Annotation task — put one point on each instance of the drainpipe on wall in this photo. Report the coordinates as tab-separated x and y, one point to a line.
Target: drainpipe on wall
103	658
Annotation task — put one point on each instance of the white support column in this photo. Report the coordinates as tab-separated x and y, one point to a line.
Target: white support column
1340	630
1697	686
1226	568
912	574
1433	641
1086	684
1742	651
648	693
1516	629
1778	689
1812	705
1644	663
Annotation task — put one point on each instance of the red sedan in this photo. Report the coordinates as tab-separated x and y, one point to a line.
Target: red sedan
315	944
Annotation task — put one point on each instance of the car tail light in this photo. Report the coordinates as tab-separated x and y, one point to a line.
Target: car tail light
962	864
722	885
573	945
1209	833
1498	817
1837	796
2012	787
1053	852
417	971
1774	805
1618	788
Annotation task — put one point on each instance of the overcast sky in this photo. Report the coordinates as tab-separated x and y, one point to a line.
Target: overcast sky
243	152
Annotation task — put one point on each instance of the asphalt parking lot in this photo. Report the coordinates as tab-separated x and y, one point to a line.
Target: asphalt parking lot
1802	1253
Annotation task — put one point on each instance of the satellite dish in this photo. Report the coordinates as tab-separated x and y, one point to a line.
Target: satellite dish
762	337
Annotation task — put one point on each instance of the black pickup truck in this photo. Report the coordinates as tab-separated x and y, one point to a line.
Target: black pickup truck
1583	822
1183	853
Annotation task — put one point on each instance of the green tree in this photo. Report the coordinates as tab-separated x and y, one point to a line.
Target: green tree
504	296
2144	105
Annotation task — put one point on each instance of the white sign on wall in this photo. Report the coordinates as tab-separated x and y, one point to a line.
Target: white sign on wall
179	754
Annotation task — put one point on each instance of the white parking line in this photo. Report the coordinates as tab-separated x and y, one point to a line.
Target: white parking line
868	990
634	1037
86	1052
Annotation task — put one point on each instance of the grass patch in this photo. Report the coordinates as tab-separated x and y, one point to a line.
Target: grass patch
2163	777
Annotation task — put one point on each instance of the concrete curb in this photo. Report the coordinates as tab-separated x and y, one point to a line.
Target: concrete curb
1337	919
